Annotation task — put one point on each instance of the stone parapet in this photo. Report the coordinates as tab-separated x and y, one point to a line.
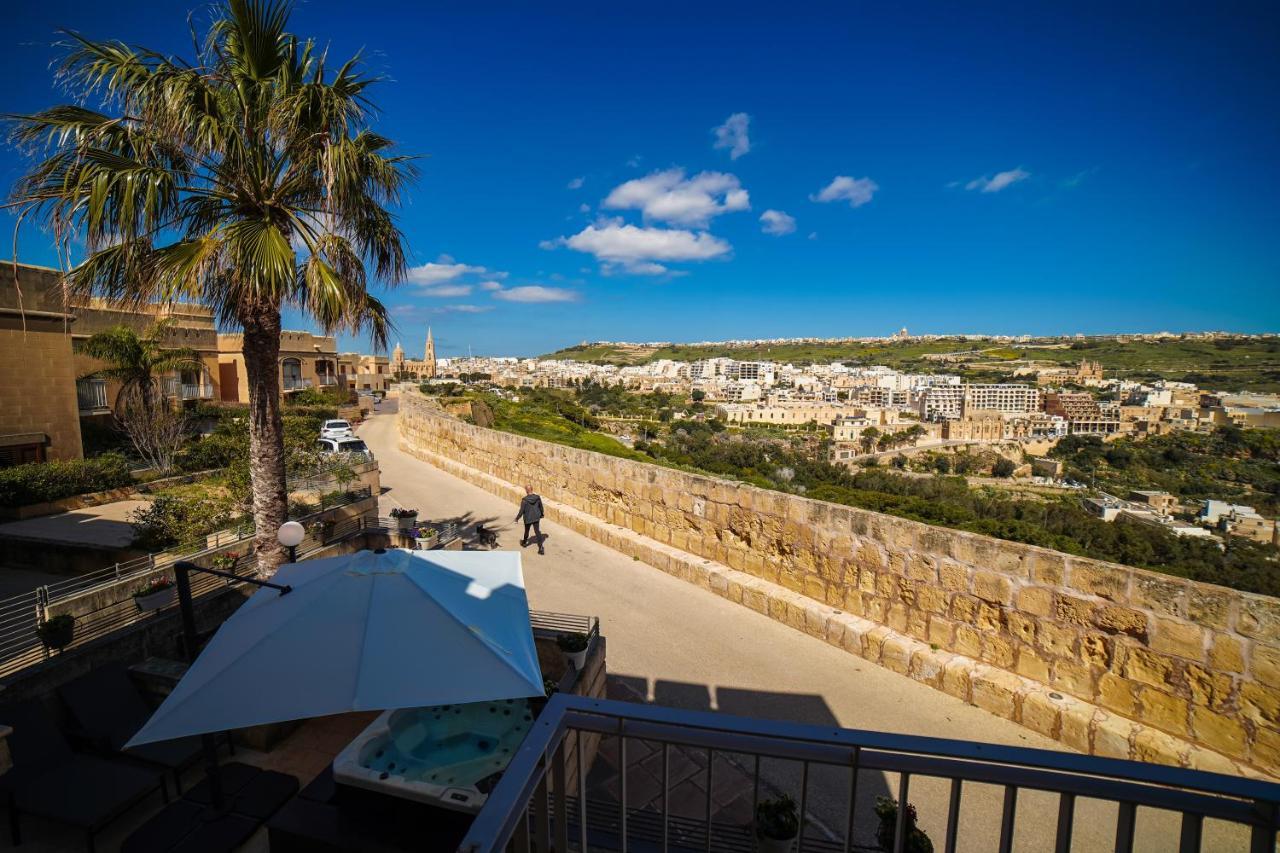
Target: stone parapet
1108	659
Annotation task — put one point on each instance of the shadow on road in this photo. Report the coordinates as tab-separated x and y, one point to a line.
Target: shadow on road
733	775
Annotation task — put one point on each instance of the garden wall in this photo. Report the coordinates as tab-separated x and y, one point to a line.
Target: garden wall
1111	660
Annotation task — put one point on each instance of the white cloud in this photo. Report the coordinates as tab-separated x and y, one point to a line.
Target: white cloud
813	235
733	135
584	208
490	285
536	293
447	290
640	250
576	183
777	223
856	191
998	181
460	309
669	197
443	269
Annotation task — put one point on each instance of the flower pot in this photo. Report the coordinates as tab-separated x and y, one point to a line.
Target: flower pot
57	635
578	659
774	845
407	522
156	600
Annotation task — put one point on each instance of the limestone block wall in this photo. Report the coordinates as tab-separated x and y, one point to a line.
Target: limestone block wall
1112	660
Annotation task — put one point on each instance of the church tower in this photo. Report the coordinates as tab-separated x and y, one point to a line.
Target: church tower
397	359
429	357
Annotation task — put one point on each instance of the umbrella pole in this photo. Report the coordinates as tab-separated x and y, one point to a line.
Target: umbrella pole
211	770
181	574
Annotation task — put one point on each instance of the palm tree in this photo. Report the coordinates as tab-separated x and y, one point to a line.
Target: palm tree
138	361
245	179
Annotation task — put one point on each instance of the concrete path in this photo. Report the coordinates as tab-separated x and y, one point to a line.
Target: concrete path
677	645
105	526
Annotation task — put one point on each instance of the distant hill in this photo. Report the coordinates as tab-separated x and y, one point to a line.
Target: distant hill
1230	364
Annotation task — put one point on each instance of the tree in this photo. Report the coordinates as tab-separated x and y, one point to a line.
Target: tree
246	179
869	436
138	362
1003	468
156	429
697	395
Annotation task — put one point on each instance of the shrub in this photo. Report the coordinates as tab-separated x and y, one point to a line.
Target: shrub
37	482
156	584
572	643
1003	468
777	819
57	632
180	520
887	811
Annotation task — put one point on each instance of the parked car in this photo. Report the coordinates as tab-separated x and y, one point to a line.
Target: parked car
336	429
347	444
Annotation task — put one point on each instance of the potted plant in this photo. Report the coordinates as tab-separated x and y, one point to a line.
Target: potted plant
537	703
160	591
226	561
574	647
56	632
777	825
886	833
407	518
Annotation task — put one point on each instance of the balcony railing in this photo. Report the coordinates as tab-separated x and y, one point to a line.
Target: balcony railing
532	808
197	392
295	383
328	379
91	394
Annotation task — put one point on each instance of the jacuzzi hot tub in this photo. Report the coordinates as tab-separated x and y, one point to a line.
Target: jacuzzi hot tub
446	755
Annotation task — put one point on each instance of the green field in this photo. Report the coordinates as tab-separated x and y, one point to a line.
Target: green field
1235	364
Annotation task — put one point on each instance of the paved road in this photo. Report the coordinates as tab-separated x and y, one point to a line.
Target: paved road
682	646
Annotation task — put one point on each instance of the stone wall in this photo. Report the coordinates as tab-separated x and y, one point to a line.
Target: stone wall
1111	660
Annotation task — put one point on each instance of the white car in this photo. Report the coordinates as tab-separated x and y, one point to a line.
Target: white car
345	444
336	429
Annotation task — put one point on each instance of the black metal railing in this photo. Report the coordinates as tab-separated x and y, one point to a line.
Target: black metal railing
532	809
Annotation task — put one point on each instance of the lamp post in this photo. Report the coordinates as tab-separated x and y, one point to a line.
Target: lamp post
181	574
290	535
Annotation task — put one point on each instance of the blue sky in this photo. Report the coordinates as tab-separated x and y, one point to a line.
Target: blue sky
1009	168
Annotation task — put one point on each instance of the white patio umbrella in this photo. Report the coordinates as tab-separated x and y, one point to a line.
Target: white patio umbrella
362	632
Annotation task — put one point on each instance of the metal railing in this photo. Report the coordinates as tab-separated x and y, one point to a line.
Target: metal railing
354	463
295	383
21	615
91	394
532	808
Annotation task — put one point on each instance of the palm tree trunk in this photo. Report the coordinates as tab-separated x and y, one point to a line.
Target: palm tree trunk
266	431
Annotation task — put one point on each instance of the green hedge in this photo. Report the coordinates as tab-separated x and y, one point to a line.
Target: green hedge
38	482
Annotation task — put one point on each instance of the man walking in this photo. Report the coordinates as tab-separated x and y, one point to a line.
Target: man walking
531	513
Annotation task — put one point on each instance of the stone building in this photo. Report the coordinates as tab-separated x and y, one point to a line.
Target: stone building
49	386
424	369
38	411
306	361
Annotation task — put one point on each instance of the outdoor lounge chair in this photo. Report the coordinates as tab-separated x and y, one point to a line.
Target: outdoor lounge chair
108	710
50	780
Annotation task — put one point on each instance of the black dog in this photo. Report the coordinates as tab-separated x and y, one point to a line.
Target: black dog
486	537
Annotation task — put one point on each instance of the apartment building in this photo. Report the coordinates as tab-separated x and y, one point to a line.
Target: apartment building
306	361
49	385
188	326
1083	414
951	401
38	409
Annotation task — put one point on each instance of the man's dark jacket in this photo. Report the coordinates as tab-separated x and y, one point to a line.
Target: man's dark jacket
530	509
